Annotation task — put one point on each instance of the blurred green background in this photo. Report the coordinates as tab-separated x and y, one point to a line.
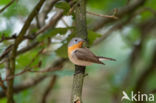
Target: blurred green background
131	40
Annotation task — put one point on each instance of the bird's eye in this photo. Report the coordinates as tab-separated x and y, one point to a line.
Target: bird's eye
75	40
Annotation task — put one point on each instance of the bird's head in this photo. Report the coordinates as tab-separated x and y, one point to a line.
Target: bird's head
76	42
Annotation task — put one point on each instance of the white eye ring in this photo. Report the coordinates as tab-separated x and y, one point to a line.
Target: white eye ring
75	40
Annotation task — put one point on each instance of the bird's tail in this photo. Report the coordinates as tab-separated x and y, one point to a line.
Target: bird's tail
105	58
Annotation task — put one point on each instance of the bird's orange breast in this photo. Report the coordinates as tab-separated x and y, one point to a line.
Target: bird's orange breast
74	47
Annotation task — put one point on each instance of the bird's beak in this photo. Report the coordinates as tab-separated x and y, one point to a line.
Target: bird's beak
82	41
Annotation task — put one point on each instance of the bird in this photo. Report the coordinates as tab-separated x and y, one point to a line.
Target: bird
82	56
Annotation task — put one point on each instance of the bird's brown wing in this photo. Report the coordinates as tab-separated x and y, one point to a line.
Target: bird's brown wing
85	54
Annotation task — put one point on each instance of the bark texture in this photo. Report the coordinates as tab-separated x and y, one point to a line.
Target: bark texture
81	31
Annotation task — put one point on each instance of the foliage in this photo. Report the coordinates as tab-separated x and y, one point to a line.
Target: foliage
63	5
130	40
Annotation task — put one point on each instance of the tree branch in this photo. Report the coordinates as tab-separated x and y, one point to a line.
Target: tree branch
46	9
101	15
26	69
26	85
131	7
113	28
143	77
145	28
58	65
14	50
53	21
49	88
51	24
3	86
81	31
6	6
13	37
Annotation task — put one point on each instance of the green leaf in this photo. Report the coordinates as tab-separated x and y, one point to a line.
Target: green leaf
24	96
16	9
60	30
133	35
151	4
24	59
146	15
4	2
2	66
52	33
62	51
92	36
63	5
4	100
5	33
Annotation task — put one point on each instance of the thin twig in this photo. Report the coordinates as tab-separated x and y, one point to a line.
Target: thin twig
53	21
150	10
3	86
6	52
46	9
141	10
145	28
65	23
52	69
26	69
74	4
6	6
101	15
18	40
51	24
26	85
49	89
45	70
13	37
57	64
108	32
143	77
131	7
